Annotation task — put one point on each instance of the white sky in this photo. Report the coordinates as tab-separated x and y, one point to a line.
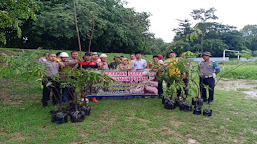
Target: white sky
165	12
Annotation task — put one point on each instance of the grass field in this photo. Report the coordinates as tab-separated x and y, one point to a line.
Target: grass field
116	120
246	70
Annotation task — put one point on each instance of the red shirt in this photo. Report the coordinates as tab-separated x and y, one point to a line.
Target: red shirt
89	64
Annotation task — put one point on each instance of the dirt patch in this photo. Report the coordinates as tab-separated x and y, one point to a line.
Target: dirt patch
192	141
3	130
133	117
83	133
6	95
6	52
246	86
94	142
17	136
176	123
167	130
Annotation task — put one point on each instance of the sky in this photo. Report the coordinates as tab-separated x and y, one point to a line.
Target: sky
164	13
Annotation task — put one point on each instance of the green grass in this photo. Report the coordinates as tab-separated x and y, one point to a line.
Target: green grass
246	71
114	120
243	89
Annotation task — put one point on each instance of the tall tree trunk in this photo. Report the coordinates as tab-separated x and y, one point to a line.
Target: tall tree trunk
92	33
76	23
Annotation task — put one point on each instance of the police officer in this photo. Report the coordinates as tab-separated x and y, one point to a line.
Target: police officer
207	72
51	72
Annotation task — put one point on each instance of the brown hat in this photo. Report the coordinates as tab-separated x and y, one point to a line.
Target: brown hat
206	53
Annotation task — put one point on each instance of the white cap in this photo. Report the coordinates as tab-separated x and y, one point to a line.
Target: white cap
64	54
94	53
103	56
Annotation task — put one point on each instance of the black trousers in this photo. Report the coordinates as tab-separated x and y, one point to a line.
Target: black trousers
160	88
186	81
54	88
208	82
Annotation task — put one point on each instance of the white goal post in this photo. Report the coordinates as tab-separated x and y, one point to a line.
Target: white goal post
224	56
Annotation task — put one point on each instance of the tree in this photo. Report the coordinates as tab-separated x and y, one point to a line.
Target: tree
204	15
183	29
116	28
215	46
13	14
249	33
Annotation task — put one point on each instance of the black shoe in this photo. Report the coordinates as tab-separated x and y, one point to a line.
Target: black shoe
160	96
204	100
45	104
152	96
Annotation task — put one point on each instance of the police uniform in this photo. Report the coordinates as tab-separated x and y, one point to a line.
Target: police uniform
207	72
52	69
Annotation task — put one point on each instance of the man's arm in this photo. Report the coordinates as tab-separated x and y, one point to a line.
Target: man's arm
73	63
100	66
145	64
133	64
61	64
216	67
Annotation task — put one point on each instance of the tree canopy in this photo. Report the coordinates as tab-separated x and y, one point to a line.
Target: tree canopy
13	14
107	26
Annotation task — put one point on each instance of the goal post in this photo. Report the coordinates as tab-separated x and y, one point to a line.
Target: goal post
224	56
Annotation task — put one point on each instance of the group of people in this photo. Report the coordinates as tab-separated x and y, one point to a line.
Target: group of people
56	63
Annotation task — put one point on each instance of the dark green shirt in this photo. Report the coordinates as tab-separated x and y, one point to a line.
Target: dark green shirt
114	65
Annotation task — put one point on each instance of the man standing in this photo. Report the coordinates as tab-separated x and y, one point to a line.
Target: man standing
43	58
67	92
152	65
160	59
116	62
121	57
52	68
95	57
103	64
89	63
74	56
138	63
207	72
132	57
173	70
172	61
58	58
156	65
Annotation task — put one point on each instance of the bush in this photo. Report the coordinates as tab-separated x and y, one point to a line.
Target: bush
254	53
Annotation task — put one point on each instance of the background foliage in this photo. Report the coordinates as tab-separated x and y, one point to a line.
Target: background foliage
50	24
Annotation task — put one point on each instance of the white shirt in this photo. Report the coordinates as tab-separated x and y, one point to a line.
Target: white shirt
98	60
140	64
160	62
42	60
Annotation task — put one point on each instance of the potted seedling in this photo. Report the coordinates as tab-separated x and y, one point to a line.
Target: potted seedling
168	102
207	112
172	74
92	78
197	102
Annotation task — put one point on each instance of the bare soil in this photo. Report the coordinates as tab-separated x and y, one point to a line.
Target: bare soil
6	52
249	87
